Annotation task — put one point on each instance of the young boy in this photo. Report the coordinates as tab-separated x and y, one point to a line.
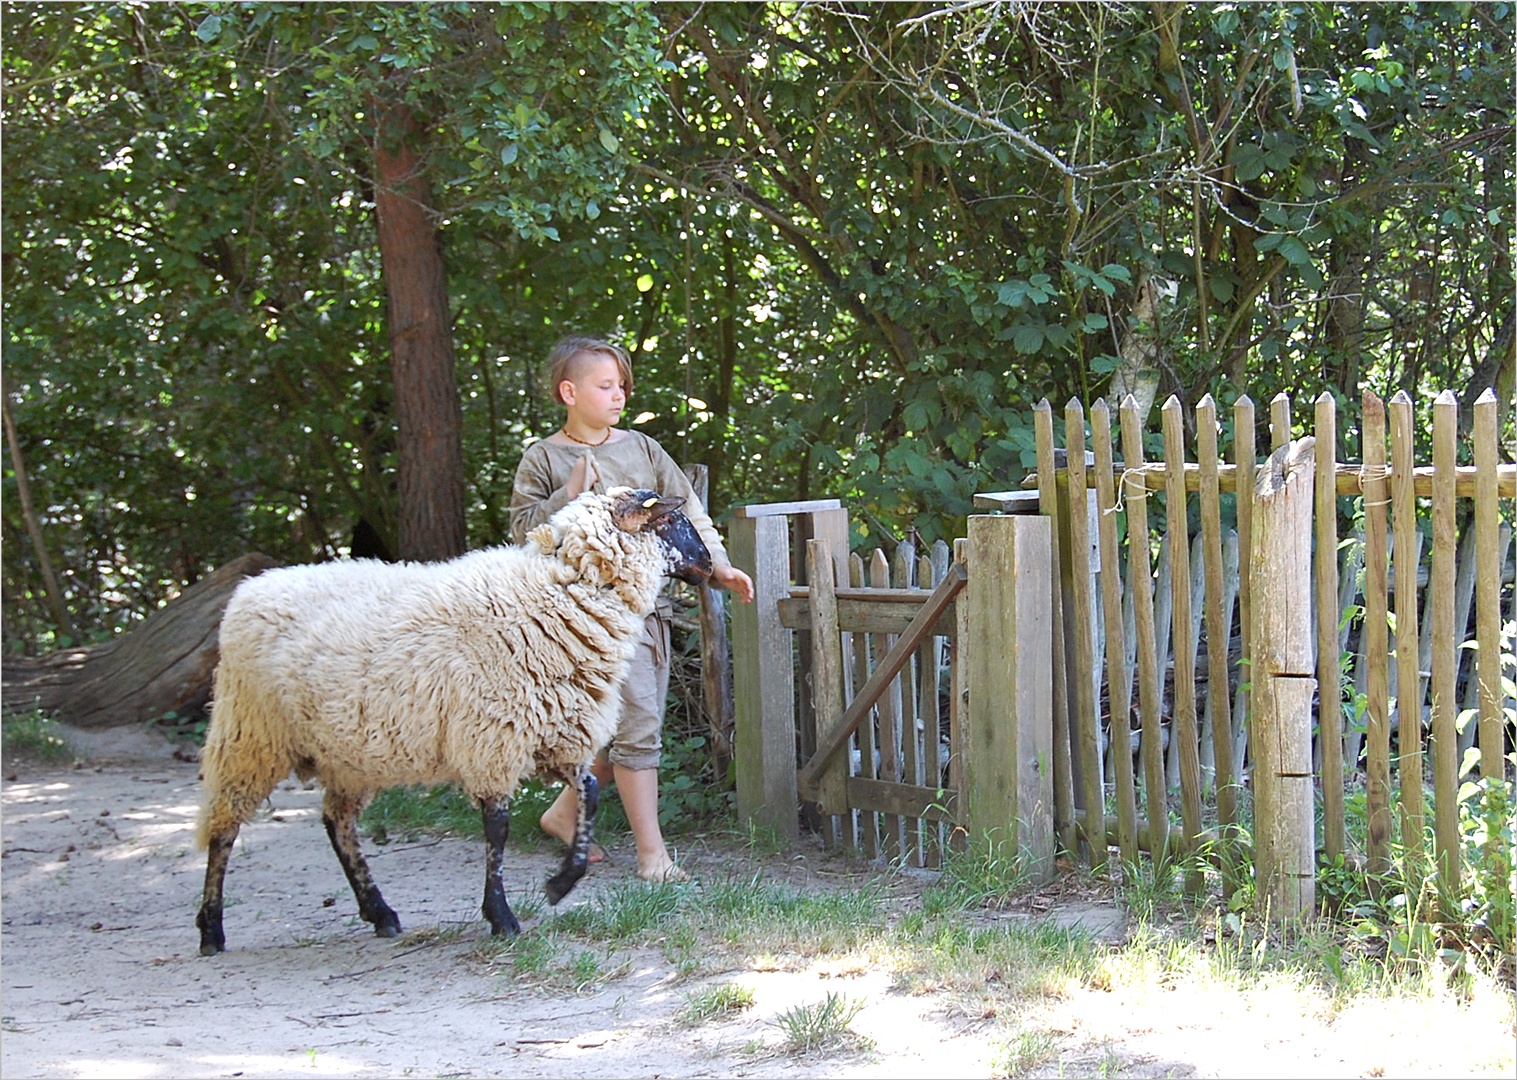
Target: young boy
592	379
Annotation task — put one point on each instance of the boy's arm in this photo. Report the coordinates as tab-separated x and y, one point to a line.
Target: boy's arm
673	481
534	496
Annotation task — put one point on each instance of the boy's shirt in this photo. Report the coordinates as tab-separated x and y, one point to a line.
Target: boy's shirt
636	460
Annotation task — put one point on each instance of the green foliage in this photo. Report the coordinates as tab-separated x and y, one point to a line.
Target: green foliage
850	251
407	811
33	736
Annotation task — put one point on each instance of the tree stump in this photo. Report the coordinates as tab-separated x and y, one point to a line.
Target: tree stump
161	667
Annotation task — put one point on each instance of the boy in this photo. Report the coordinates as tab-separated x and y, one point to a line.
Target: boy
591	379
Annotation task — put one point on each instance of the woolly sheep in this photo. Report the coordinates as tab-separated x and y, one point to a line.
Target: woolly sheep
498	665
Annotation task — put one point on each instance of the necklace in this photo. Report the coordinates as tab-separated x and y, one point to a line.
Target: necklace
582	442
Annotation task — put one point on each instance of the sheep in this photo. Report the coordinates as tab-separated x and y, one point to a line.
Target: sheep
481	671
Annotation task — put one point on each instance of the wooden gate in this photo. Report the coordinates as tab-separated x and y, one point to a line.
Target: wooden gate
859	702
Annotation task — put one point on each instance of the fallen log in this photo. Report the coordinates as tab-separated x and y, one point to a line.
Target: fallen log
160	668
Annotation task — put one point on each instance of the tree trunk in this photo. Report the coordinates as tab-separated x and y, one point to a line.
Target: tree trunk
427	411
33	526
162	666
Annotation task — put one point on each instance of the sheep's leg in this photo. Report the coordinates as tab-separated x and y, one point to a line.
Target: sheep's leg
339	813
578	858
497	818
212	936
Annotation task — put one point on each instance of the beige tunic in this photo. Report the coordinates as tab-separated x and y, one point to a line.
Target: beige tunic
635	460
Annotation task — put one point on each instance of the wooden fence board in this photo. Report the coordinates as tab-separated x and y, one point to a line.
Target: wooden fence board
1082	658
1243	464
1218	633
1440	595
1488	591
887	715
1408	713
867	823
1140	581
1184	719
1048	504
1119	679
1376	639
1329	675
1283	683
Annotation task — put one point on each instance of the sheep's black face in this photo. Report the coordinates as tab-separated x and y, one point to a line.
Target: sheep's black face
642	510
689	558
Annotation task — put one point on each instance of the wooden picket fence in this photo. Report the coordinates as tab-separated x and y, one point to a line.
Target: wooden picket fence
1190	724
940	698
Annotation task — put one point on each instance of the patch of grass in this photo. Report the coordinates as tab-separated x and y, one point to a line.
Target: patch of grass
33	736
626	911
1023	1052
445	809
716	1001
986	875
820	1025
417	810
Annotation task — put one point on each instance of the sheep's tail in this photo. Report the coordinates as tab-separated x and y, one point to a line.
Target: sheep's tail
247	752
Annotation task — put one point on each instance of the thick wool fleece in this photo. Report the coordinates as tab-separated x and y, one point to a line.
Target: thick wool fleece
483	670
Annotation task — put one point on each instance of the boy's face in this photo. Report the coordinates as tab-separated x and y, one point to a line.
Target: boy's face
596	396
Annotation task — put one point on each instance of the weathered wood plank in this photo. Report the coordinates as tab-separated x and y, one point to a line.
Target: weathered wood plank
1404	553
1048	504
1349	479
785	509
1283	682
1008	737
904	800
1082	654
887	670
1488	591
888	715
826	671
1376	640
1444	646
1243	463
1329	674
1218	633
1140	581
1184	719
764	679
1119	678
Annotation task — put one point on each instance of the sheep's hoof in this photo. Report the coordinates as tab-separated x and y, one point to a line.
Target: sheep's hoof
212	937
561	885
387	927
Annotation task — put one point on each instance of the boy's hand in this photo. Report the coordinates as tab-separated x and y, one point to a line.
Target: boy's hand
733	579
583	476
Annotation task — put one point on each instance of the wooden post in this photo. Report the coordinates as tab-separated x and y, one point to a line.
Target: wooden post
827	671
763	662
763	677
1008	738
1283	682
716	658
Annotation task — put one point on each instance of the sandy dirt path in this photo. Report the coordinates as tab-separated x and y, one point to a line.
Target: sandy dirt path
100	974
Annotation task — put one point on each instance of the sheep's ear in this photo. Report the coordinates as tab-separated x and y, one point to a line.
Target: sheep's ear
543	537
634	510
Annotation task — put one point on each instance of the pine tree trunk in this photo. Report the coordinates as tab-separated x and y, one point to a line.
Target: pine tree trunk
427	410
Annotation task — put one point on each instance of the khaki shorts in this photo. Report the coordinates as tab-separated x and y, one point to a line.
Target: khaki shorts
639	732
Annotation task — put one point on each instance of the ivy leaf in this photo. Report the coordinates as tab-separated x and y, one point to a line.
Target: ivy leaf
209	29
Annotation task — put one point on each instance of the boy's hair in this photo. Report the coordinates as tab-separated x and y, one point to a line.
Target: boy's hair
564	362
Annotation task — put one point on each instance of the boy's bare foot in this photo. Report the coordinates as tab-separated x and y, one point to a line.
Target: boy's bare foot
564	831
660	868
